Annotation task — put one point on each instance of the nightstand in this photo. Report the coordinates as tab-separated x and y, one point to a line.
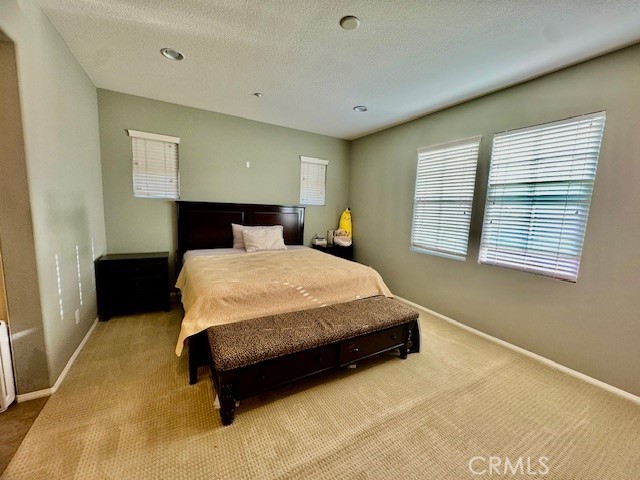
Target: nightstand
336	250
132	282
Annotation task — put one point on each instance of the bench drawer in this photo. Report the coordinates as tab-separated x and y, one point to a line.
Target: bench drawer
265	375
361	347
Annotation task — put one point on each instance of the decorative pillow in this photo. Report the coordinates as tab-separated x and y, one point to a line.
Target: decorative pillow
258	239
238	239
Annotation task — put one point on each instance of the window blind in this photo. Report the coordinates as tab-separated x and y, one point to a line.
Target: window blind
445	181
313	176
540	184
155	165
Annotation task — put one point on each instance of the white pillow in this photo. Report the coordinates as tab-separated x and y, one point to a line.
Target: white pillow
238	238
258	239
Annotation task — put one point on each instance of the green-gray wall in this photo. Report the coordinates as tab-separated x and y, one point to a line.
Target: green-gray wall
213	151
61	149
592	326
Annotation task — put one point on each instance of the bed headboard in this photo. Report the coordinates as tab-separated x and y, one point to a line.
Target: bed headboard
208	225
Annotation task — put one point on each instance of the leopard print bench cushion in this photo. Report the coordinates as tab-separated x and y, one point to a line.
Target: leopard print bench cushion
236	345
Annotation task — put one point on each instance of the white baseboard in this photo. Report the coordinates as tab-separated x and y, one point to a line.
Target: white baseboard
24	397
557	366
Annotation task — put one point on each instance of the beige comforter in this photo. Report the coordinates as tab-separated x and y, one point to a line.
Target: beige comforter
225	289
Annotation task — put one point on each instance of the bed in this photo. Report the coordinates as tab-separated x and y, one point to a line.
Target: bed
220	286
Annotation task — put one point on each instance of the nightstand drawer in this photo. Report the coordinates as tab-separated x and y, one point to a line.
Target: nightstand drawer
336	251
357	348
130	295
139	269
133	284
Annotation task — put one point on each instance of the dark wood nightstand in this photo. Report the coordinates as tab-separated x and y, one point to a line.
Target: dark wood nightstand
132	282
337	250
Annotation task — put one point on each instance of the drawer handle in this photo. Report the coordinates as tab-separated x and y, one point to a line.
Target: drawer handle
394	337
355	350
320	359
262	378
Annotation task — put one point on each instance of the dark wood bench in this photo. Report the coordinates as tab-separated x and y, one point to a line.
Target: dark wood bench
247	358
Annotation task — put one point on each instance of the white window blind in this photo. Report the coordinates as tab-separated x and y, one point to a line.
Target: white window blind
313	176
445	181
540	184
155	165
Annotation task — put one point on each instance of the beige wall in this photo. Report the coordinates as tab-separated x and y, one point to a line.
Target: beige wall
61	138
592	326
3	296
213	151
16	237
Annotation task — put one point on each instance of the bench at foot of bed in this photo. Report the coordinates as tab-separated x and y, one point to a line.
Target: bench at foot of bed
251	357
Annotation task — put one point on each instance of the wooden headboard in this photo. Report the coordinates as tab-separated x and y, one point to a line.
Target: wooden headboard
208	225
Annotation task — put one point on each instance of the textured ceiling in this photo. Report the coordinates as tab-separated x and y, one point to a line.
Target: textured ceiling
408	58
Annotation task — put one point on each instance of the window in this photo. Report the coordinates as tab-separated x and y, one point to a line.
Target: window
538	197
155	165
313	177
445	181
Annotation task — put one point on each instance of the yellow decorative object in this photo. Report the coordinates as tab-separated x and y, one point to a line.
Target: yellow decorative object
345	222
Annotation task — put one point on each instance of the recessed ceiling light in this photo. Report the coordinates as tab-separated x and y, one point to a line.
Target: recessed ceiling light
360	108
257	94
349	22
172	54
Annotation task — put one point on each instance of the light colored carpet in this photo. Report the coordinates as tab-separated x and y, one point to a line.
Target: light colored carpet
126	411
